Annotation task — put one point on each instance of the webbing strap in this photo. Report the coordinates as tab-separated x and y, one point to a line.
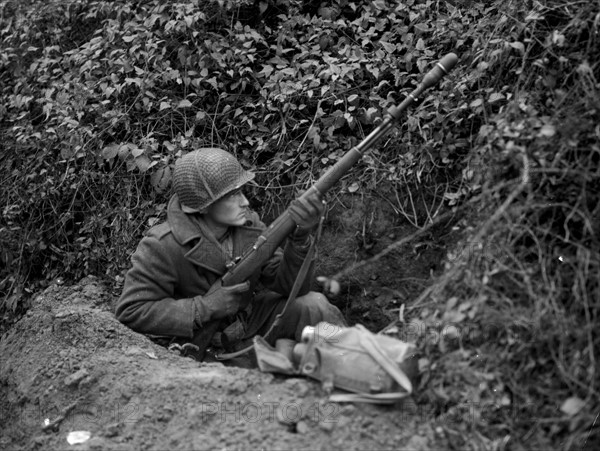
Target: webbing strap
375	351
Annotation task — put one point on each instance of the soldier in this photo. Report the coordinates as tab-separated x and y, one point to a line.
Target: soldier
173	291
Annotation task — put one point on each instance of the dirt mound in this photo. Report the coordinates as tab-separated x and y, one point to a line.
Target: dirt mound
69	365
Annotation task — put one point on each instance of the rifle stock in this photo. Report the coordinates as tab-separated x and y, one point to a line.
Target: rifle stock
273	236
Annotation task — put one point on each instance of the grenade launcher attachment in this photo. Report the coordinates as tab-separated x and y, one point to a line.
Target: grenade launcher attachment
275	234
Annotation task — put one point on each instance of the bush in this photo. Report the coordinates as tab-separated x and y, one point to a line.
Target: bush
98	99
524	286
101	97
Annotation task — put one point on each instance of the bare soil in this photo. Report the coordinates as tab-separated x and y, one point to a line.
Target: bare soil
69	365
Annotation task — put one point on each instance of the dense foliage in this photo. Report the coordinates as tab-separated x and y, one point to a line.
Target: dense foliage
98	98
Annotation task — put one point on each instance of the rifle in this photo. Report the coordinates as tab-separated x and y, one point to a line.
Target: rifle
276	233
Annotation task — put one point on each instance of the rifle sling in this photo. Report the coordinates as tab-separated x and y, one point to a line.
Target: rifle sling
292	295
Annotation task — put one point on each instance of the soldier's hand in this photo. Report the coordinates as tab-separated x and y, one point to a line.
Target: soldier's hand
307	210
219	301
331	287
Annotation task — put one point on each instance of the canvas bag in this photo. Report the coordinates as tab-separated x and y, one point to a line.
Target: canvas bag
375	368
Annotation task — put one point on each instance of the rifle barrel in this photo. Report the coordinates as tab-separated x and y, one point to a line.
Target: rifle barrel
273	236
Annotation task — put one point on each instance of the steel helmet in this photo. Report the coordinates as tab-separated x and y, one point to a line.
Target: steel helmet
203	176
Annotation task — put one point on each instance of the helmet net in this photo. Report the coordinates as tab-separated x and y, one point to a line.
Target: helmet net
205	175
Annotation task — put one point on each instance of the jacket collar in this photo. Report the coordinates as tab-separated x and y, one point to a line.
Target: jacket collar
205	250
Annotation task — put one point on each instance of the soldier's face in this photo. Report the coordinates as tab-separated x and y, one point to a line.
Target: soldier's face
230	210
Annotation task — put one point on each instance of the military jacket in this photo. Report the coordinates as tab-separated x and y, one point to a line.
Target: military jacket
179	260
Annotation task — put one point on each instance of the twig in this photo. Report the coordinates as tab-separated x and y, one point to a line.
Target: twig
412	204
502	209
441	218
450	275
311	124
404	213
392	247
590	431
59	419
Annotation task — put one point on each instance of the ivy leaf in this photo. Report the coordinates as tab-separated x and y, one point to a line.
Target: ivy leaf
143	163
267	70
110	151
451	196
495	97
136	152
314	134
200	116
213	82
375	71
124	150
533	16
262	6
353	188
184	104
518	46
136	81
571	406
388	47
547	130
451	303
